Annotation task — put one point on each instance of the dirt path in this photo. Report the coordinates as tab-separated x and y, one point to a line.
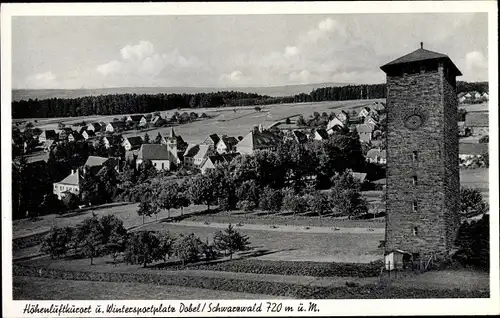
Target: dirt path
288	228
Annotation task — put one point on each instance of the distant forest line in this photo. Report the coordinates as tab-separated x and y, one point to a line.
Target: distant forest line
145	103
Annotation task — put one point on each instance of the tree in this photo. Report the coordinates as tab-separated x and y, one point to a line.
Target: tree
293	202
91	188
142	248
471	202
224	186
166	246
146	138
70	200
187	248
249	191
114	234
230	240
287	121
345	196
146	208
301	121
56	242
146	171
158	139
201	190
168	194
89	238
257	109
318	203
473	241
271	200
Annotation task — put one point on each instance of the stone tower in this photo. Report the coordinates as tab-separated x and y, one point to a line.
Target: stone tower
172	147
423	183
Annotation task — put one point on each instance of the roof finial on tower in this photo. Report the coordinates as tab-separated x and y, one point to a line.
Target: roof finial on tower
421	45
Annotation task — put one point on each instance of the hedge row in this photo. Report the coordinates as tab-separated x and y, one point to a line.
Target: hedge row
305	268
28	241
248	286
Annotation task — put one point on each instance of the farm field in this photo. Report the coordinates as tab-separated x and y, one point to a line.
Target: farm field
475	107
223	120
28	288
297	246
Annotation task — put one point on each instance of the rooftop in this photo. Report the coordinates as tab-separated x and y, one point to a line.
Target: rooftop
72	179
420	55
153	152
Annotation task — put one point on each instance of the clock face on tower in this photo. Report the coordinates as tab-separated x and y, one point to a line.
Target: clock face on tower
414	121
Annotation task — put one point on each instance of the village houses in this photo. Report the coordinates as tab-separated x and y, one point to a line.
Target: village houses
377	155
95	127
321	134
115	126
257	139
212	161
157	154
97	163
226	144
69	184
132	143
365	132
47	135
195	154
88	134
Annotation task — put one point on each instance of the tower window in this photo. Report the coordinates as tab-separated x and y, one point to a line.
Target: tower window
414	180
415	155
415	206
415	231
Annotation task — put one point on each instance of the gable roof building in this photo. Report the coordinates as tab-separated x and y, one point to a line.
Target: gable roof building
212	140
115	126
195	154
47	135
257	140
135	118
69	184
95	127
212	161
376	155
131	143
320	134
226	144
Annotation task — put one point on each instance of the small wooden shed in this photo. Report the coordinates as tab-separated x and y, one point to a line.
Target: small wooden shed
395	259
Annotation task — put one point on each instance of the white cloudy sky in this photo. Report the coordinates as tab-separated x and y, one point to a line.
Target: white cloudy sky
231	51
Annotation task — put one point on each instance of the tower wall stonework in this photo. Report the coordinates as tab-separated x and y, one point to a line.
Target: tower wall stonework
452	171
429	229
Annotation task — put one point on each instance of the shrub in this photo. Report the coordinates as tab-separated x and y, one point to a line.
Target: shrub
142	248
55	243
230	240
474	243
471	202
246	206
188	248
89	238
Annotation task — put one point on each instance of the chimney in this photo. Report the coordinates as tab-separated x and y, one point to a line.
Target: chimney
72	171
421	45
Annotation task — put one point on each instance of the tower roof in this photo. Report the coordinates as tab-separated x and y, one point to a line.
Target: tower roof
421	55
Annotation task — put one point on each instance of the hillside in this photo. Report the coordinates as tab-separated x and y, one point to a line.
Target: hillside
288	90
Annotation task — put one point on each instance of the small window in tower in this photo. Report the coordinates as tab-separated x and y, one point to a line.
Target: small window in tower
414	180
415	155
415	206
415	231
